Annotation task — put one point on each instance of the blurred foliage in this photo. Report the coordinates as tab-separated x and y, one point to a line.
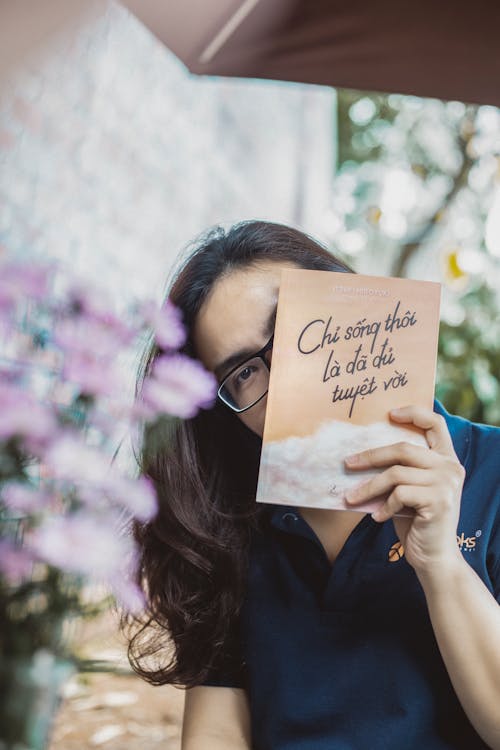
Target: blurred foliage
469	359
412	196
360	135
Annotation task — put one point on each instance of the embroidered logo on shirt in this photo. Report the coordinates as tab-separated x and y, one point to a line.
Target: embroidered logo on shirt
396	552
468	544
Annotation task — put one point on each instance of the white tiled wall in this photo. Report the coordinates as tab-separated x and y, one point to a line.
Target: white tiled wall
113	156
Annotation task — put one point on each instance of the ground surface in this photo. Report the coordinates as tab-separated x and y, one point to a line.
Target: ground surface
116	712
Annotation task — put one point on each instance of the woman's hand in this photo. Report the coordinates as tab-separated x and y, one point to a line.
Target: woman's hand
428	480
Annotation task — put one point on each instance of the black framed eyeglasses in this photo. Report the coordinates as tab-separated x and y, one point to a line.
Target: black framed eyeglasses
248	382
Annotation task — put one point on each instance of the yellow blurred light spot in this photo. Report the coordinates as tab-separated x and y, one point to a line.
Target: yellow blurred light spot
467	128
471	149
454	274
374	214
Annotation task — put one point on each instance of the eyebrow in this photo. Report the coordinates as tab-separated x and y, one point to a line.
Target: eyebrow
229	362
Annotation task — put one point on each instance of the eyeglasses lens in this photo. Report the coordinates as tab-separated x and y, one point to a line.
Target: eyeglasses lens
246	384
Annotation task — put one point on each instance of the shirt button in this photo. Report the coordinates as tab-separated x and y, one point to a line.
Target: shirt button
289	517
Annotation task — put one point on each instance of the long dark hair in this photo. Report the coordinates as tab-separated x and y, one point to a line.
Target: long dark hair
194	554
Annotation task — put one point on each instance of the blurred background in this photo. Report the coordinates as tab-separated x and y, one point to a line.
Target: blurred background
113	157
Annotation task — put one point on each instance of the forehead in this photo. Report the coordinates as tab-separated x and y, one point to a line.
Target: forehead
234	314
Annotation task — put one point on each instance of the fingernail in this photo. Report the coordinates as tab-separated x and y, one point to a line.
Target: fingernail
354	459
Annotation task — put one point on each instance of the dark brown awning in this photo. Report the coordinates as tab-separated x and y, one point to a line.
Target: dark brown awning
449	49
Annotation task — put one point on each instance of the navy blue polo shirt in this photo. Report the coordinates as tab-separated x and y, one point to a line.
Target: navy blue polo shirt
343	656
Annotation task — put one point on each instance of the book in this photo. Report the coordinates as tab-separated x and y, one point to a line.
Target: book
347	348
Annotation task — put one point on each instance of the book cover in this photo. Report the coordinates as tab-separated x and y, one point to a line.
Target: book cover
347	348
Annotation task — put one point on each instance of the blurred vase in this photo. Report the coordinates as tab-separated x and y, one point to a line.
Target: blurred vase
31	695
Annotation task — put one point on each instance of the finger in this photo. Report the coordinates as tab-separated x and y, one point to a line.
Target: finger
402	496
407	454
436	429
386	481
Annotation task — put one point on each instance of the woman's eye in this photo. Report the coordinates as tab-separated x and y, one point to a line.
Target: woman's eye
244	375
246	370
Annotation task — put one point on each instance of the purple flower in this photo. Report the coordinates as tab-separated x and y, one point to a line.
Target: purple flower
97	480
137	495
16	562
81	543
95	304
95	546
24	416
69	457
21	280
178	385
91	350
123	583
85	336
92	376
128	593
169	331
24	497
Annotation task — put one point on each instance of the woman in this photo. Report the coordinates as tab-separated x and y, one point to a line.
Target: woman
300	627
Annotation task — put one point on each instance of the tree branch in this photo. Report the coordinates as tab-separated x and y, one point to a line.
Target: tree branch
410	248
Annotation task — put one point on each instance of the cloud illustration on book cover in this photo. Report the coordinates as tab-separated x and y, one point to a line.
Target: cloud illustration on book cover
310	470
